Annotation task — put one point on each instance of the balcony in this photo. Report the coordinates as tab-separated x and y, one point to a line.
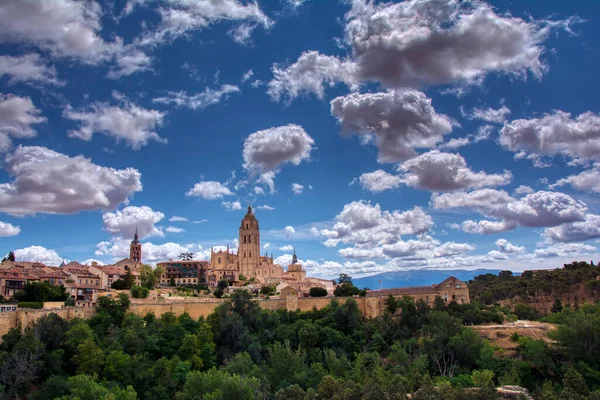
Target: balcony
18	285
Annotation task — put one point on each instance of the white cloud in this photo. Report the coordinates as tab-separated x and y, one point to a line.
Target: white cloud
449	42
554	134
310	74
242	33
176	218
362	223
297	188
504	246
401	120
456	143
485	227
588	181
578	231
258	190
7	229
38	254
523	189
287	247
129	123
130	61
202	221
17	117
89	261
266	246
232	205
378	181
565	249
438	171
174	229
289	231
125	222
199	100
247	75
315	231
539	209
28	68
118	248
295	3
68	29
181	17
45	181
488	114
267	150
266	207
209	190
268	179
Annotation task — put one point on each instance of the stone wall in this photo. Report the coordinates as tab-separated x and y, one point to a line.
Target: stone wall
369	306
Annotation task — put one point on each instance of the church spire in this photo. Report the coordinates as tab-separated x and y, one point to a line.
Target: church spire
136	240
294	257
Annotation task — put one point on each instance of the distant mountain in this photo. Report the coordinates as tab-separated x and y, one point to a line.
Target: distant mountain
417	277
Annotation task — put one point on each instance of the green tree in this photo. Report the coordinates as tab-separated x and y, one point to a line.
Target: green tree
41	292
140	292
149	277
216	384
9	257
574	385
221	286
317	292
186	256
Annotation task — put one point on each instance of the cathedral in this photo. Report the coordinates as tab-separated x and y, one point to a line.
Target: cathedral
248	261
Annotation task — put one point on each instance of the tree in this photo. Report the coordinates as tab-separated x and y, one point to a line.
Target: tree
150	277
221	286
70	302
9	257
139	292
574	382
41	292
268	289
186	256
557	306
317	292
217	384
345	278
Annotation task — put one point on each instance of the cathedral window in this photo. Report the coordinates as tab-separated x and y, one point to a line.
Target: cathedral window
246	226
249	239
244	238
219	260
244	254
250	254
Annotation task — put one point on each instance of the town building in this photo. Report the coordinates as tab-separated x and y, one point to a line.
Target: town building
183	272
450	289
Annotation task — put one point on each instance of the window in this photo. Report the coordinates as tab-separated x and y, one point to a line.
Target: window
246	226
244	254
445	296
249	239
219	260
250	254
244	238
453	297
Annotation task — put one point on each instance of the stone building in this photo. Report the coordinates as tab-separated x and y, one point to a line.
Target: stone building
183	272
450	289
135	249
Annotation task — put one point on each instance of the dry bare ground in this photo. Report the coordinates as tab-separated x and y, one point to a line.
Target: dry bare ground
500	335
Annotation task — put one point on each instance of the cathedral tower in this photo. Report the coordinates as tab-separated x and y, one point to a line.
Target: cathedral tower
249	247
135	249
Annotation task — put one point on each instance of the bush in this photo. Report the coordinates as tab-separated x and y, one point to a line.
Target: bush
317	292
515	337
524	311
268	289
139	292
30	304
70	302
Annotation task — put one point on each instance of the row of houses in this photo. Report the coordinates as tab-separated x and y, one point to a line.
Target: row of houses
83	283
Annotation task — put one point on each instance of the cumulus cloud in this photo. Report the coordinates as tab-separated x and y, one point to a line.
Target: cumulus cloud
118	248
488	114
310	74
174	229
378	181
209	190
181	17
130	61
232	205
199	100
176	218
287	247
265	207
539	209
289	231
297	188
7	229
38	254
125	222
362	223
565	249
17	117
523	189
554	134
504	246
588	181
45	181
89	261
485	227
70	29
401	121
267	179
130	123
267	150
578	231
439	171
28	68
450	42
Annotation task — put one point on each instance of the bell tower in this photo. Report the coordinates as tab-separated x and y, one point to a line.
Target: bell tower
249	245
135	248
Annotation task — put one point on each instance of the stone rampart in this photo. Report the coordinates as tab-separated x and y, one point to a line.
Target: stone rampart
369	306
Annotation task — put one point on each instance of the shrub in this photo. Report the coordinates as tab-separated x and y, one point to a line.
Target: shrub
70	302
317	292
30	304
139	292
515	337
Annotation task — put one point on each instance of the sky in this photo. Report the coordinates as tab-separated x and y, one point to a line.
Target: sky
370	136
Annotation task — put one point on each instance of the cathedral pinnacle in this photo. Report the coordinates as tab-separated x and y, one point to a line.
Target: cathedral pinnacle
294	257
135	237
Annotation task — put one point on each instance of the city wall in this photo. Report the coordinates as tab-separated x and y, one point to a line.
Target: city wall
369	307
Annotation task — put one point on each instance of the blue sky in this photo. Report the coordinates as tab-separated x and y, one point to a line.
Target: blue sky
372	136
